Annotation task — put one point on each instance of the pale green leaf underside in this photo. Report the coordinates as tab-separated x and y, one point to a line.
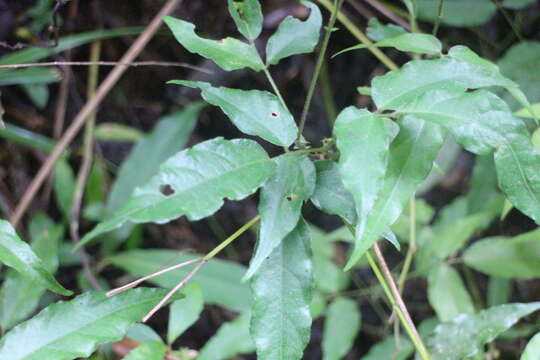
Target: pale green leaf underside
341	326
254	112
533	349
194	183
281	204
465	335
148	351
363	141
18	255
294	36
417	43
377	31
73	329
229	53
281	319
247	16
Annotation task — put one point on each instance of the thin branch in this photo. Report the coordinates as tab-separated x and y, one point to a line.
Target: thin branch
157	273
174	290
108	63
90	106
383	10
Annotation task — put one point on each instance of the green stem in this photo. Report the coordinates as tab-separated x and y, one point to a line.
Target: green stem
231	238
318	66
412	246
360	36
439	16
274	87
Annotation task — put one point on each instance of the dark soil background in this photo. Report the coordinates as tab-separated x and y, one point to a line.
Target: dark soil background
142	97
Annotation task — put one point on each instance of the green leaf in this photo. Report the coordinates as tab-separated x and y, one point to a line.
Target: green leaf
38	94
398	89
466	335
73	329
526	113
499	291
18	255
533	349
184	312
142	333
281	203
19	295
517	4
247	16
27	138
328	277
281	320
447	293
220	280
517	257
416	43
169	136
388	349
483	189
117	132
377	31
459	13
230	340
520	63
253	112
364	142
411	158
194	183
40	75
64	186
340	328
229	54
150	351
330	194
294	36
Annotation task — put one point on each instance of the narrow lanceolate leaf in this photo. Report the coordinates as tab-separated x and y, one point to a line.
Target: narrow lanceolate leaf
482	123
340	328
230	340
294	36
281	203
447	293
169	136
20	295
330	194
417	43
466	335
247	16
411	158
18	255
73	329
281	320
148	351
377	31
364	142
533	349
229	53
399	88
194	183
254	112
184	312
517	257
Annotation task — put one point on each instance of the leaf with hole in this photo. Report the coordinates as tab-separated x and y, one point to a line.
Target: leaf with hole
253	112
194	183
364	142
220	280
280	204
341	327
281	319
294	36
18	255
229	53
247	16
61	332
466	334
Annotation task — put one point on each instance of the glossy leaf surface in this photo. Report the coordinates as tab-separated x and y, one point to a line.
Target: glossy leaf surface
18	255
247	16
194	183
229	53
280	204
73	329
340	328
465	335
253	112
294	36
281	320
